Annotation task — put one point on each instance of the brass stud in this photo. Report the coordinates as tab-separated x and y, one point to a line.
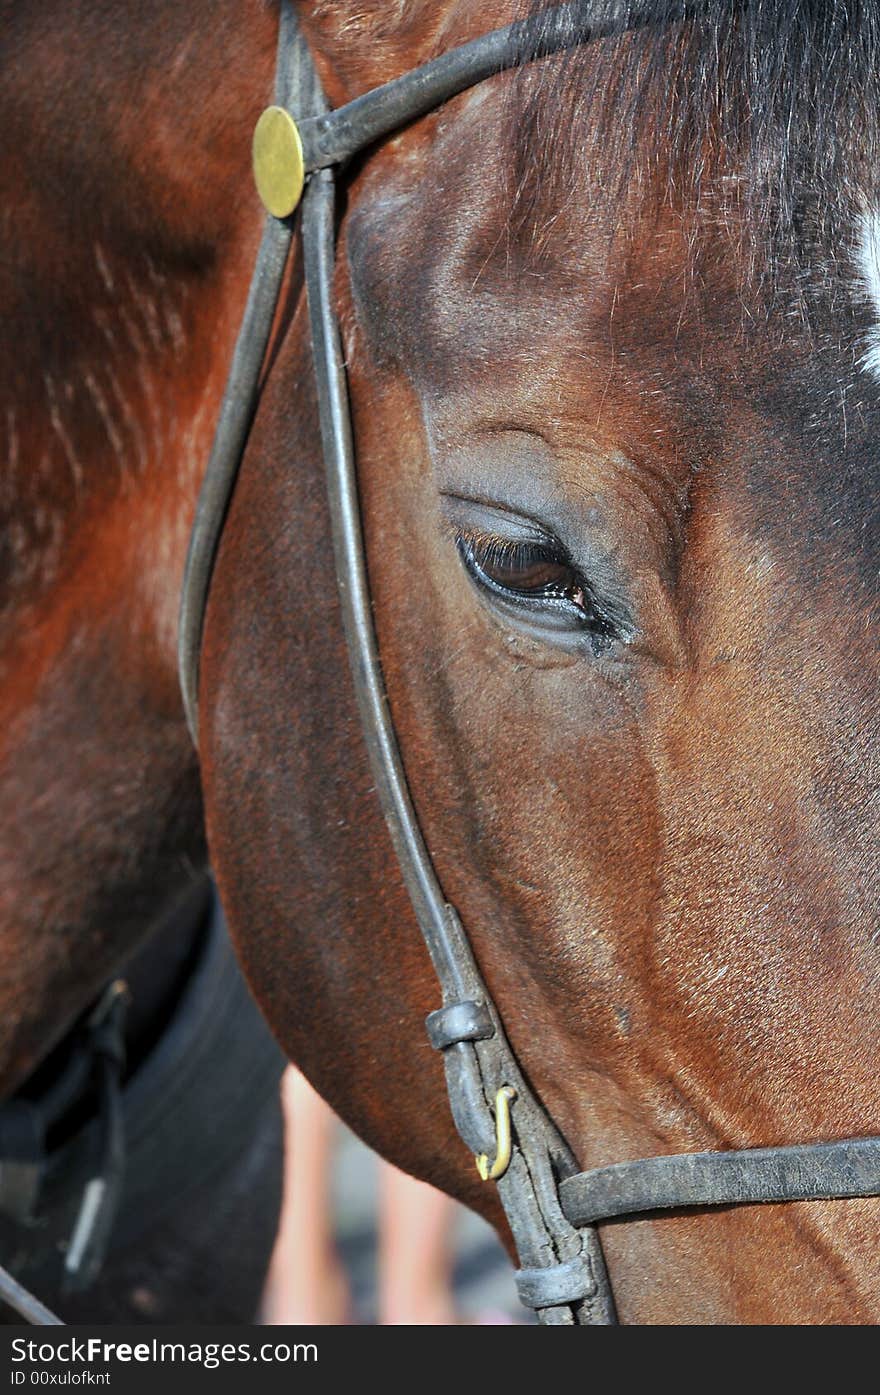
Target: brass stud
279	169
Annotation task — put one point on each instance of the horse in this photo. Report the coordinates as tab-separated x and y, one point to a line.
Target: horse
609	319
103	849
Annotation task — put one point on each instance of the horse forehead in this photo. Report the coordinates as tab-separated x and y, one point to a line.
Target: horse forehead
447	295
455	258
445	276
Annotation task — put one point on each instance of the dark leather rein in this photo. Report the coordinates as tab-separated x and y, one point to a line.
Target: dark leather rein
552	1208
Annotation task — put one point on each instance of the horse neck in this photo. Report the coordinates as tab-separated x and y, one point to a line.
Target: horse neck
125	264
126	245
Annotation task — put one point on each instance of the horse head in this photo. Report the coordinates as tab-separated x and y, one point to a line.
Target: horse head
609	321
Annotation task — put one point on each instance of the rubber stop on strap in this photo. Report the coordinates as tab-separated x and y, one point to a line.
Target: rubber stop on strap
464	1021
568	1282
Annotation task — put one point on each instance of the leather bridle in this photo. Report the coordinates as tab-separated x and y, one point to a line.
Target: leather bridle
552	1208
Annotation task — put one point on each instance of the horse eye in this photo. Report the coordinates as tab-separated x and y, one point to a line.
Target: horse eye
525	568
537	576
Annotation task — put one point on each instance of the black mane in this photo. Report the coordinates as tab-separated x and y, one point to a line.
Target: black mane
780	96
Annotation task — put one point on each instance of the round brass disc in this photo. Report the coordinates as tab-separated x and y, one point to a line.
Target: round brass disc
279	171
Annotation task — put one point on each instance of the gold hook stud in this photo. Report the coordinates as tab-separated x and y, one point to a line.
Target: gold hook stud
279	168
491	1172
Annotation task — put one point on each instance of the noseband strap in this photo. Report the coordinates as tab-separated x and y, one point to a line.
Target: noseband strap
799	1172
551	1208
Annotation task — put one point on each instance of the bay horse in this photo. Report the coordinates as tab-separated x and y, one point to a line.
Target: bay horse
102	845
610	327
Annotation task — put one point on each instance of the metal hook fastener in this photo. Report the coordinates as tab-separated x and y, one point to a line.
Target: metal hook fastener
491	1172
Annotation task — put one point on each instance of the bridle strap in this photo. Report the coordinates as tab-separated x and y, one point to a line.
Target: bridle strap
335	137
241	394
744	1177
477	1057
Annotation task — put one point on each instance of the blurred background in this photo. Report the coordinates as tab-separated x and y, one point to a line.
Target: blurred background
362	1242
164	1164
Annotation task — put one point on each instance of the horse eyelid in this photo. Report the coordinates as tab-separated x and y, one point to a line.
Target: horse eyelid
585	613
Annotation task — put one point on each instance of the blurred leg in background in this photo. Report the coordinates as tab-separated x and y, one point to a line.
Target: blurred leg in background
415	1251
307	1282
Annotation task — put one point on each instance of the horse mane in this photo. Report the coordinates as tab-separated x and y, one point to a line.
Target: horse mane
778	97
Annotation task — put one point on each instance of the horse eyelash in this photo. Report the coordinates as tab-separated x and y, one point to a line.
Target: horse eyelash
489	548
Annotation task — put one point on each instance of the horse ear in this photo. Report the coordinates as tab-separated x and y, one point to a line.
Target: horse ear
359	44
